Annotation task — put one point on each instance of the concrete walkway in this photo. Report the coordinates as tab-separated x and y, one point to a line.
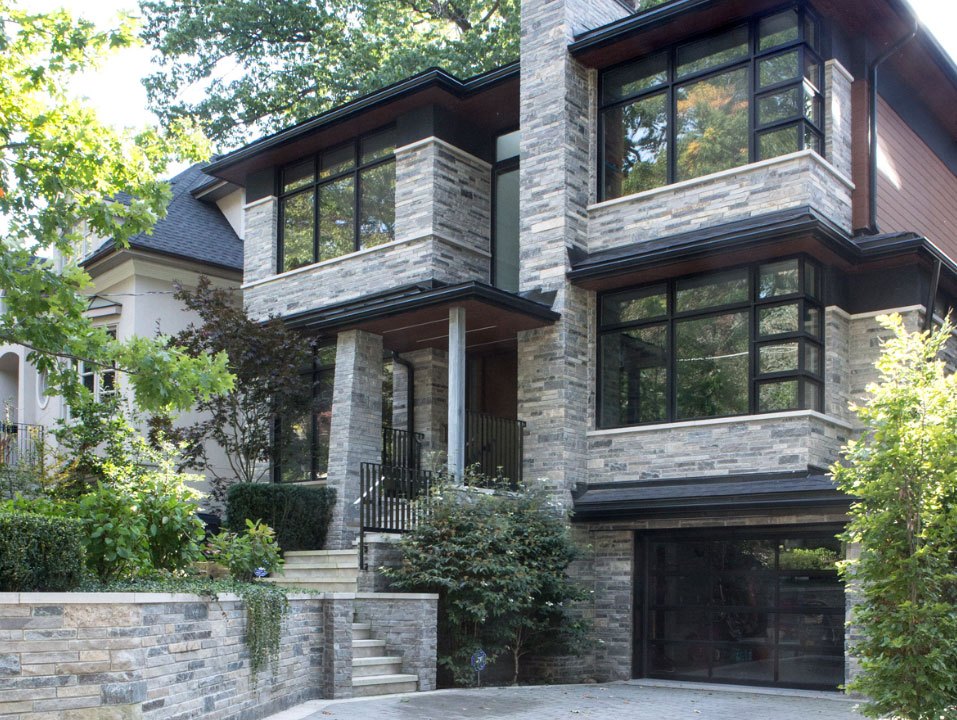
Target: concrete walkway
637	699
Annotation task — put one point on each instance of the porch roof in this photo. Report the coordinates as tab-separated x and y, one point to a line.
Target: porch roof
766	492
413	317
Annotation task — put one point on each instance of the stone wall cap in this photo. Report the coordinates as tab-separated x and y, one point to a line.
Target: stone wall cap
134	598
396	596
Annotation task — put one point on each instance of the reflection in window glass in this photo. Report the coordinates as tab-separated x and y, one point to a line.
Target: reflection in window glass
338	160
778	396
785	105
779	357
305	455
778	319
634	381
778	29
297	176
712	290
712	52
782	141
779	68
712	125
336	217
636	146
712	366
643	304
636	77
298	221
378	146
377	203
780	278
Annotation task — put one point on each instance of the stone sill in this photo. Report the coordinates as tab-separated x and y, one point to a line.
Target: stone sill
792	158
734	420
146	598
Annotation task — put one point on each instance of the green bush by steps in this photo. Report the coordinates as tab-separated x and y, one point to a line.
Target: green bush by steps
299	515
39	554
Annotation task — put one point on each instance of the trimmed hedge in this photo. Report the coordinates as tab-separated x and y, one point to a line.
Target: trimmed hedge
39	553
299	515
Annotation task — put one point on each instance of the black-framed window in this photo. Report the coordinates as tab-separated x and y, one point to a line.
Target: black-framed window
505	211
735	342
337	202
305	438
750	92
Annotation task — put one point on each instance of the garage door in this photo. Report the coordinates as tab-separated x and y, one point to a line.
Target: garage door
764	608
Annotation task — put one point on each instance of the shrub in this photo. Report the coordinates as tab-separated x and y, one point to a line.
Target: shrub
39	554
902	473
249	554
168	507
498	562
299	515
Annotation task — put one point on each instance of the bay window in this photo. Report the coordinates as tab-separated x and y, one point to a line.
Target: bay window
338	202
735	342
748	93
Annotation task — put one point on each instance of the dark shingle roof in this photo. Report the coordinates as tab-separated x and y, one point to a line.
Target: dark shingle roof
191	229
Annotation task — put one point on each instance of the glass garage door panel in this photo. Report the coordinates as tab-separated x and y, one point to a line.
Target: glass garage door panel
767	610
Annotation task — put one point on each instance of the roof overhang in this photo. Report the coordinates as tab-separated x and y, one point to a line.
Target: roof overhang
924	65
753	239
414	317
433	86
109	256
689	497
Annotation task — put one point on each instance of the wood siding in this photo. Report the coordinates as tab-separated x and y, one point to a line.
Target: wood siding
916	191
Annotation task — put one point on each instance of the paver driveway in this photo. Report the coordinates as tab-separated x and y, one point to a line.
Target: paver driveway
633	700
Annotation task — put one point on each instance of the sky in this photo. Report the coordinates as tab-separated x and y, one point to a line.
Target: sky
119	96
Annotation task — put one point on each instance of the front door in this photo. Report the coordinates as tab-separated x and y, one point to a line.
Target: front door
756	607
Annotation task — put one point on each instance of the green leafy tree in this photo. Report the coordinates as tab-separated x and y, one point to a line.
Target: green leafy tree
268	360
63	174
903	474
263	65
498	562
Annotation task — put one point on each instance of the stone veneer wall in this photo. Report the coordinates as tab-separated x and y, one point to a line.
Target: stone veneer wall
157	656
790	181
442	232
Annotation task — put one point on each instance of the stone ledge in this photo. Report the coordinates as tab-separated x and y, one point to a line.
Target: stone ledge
733	420
730	173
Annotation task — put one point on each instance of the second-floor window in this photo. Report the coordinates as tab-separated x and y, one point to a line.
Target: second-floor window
748	93
735	342
337	202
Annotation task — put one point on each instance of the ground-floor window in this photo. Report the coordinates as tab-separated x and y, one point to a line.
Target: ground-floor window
758	608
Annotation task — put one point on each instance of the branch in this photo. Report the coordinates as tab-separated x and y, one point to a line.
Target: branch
12	340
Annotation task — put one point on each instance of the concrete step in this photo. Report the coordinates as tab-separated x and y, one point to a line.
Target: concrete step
331	586
320	553
381	665
361	631
384	684
335	562
368	648
325	573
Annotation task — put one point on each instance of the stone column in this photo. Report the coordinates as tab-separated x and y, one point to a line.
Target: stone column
356	430
837	117
260	253
556	179
456	420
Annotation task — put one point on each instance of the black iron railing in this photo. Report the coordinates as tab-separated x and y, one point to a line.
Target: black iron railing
495	445
401	448
20	444
391	499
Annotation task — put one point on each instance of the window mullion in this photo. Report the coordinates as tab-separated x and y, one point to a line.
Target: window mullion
357	194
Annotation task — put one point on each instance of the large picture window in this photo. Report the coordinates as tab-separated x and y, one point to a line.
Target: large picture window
305	439
337	202
748	93
741	341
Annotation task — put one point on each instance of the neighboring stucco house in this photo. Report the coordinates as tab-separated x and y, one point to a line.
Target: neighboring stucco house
132	291
643	264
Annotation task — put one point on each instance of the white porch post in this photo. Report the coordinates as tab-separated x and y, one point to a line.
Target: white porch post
457	393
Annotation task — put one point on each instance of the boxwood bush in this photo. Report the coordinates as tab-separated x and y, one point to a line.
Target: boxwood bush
39	553
299	515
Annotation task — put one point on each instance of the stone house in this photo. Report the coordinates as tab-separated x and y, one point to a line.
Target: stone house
642	265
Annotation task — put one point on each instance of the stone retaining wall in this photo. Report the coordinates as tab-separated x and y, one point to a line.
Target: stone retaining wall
158	656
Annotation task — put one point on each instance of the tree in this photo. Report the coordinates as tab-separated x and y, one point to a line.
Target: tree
264	65
268	361
498	562
903	476
63	174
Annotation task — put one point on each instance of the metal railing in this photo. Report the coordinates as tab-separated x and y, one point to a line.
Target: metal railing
20	444
401	448
391	499
495	445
